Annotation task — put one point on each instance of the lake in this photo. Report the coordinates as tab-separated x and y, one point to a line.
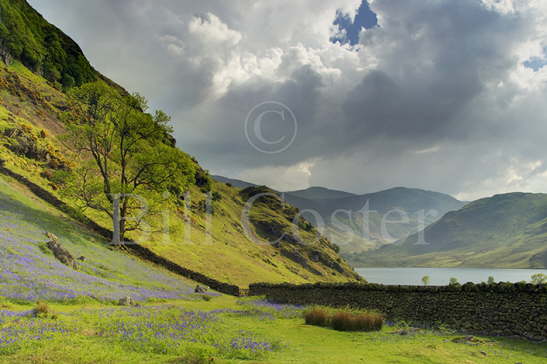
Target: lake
441	276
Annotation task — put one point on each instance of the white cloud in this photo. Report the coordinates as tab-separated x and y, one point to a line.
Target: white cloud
435	97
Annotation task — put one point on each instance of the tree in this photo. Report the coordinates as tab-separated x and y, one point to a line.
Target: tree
539	278
125	162
425	280
453	281
491	280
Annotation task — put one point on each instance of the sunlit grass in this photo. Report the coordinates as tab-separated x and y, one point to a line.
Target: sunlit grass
229	330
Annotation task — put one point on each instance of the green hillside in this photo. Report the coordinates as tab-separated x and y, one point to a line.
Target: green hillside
31	272
200	224
504	231
359	223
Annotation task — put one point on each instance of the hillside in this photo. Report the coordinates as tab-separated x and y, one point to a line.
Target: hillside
195	231
360	223
31	272
504	231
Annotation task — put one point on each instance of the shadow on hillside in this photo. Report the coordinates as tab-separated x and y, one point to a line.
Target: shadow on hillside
64	227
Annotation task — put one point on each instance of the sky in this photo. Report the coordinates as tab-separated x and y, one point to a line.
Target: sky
442	95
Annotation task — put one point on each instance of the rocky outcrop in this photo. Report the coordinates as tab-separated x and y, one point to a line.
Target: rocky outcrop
60	253
127	301
5	55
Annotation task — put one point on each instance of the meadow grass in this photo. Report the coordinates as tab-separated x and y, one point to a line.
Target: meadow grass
228	330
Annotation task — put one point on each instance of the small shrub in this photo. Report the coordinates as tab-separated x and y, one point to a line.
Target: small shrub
539	278
216	196
41	310
342	321
317	317
203	180
347	321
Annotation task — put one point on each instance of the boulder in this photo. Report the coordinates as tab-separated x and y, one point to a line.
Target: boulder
200	289
127	301
60	253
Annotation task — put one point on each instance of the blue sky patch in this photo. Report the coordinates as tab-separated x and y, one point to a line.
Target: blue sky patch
364	18
537	63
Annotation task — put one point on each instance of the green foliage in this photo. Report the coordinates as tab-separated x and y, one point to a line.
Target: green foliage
425	280
123	154
42	47
539	278
203	179
216	196
491	280
453	281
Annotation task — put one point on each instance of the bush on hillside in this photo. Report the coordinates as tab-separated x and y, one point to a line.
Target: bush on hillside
42	310
203	180
316	317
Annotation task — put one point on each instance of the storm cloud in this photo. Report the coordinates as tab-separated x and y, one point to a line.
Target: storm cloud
440	94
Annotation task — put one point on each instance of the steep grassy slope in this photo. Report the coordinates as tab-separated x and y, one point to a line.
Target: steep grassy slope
207	239
29	271
505	231
26	36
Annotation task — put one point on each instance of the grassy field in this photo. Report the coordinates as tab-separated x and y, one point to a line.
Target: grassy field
229	330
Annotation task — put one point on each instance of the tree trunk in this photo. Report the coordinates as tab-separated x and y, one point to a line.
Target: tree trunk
116	233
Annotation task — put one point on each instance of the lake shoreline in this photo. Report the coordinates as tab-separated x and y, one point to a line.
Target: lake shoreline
413	276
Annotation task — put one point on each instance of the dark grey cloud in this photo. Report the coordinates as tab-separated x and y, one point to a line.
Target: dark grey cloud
437	96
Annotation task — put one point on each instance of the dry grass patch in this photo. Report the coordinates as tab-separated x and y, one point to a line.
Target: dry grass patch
347	320
317	317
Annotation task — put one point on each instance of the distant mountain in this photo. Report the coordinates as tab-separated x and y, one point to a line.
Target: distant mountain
359	223
508	230
409	200
319	193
